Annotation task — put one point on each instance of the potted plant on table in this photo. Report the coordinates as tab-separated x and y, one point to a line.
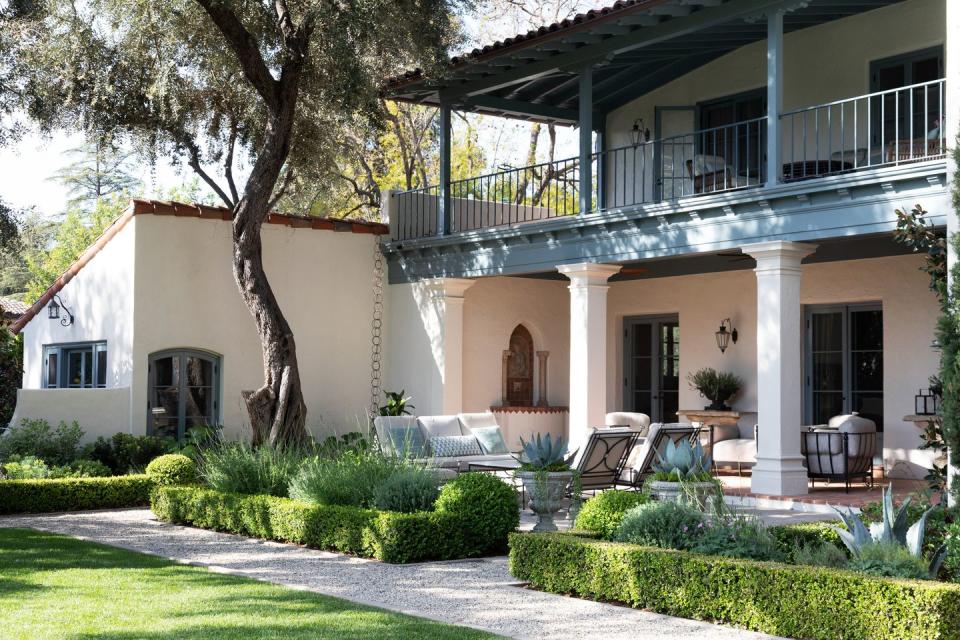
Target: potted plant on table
719	387
546	475
683	472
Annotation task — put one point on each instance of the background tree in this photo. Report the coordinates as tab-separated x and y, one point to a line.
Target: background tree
35	234
100	168
209	81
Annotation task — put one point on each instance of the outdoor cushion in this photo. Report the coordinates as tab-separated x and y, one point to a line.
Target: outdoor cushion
639	422
434	426
455	446
408	441
383	424
471	421
723	432
490	439
735	450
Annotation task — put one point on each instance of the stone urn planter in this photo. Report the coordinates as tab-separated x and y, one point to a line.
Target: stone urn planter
546	490
700	492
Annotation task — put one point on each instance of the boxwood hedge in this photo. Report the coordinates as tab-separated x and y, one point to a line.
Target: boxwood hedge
387	536
784	600
74	494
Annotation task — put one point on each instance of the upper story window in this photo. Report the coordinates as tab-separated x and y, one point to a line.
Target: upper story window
75	366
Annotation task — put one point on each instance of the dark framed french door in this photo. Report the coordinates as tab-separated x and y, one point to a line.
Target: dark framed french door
844	362
184	391
651	366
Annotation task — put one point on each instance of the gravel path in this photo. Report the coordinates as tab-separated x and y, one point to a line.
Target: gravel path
476	593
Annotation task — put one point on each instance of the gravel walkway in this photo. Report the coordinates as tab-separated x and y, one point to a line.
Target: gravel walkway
475	593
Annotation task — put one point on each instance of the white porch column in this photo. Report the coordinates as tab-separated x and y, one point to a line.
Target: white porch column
779	469
447	297
951	130
588	345
774	94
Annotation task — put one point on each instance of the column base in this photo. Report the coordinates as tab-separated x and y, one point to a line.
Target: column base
779	477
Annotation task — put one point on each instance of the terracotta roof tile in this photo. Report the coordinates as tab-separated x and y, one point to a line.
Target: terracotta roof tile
12	309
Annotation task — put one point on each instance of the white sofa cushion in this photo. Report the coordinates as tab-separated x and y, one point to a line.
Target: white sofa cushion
440	426
735	450
470	421
639	422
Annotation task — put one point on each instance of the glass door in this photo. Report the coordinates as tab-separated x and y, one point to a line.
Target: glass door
652	367
183	392
844	362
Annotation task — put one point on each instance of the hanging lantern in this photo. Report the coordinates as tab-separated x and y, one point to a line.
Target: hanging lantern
725	334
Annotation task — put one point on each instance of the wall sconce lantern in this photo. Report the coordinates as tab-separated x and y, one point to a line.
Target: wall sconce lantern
53	311
725	334
640	132
927	403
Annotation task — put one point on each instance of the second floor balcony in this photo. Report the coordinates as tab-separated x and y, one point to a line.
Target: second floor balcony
716	136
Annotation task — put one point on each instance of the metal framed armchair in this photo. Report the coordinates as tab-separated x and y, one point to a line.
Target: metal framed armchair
841	451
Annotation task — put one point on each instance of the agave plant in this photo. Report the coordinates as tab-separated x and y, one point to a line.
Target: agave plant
683	461
892	529
545	453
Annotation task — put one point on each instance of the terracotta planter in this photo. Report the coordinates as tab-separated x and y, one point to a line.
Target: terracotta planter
700	492
546	491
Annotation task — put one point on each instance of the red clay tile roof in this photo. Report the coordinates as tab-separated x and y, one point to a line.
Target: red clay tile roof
206	212
11	309
548	32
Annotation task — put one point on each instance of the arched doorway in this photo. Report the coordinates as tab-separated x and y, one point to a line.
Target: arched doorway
184	391
520	368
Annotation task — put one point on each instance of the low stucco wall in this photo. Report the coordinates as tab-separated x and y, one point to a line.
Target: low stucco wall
97	411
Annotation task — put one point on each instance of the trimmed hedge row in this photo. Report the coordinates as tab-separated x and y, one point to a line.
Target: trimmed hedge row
388	536
784	600
74	494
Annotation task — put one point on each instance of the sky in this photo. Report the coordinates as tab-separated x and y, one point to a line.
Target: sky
26	167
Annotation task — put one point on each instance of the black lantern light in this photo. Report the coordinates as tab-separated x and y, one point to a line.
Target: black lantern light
725	334
926	403
640	132
53	311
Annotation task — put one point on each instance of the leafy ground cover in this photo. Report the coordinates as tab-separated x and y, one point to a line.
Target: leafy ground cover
54	586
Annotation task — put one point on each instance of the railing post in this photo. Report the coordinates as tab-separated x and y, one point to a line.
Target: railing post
601	169
774	94
586	139
444	209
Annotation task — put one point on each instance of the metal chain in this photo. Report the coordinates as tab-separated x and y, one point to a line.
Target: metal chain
376	341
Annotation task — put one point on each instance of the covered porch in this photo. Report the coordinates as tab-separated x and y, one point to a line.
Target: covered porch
815	327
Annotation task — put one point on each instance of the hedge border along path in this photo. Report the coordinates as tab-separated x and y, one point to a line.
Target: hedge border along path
74	494
391	537
799	602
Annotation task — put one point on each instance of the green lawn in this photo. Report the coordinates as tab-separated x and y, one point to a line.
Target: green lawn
53	586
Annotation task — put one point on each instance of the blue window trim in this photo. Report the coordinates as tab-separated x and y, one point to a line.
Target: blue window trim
59	350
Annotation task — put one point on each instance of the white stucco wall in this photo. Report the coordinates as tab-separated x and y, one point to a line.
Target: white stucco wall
187	298
101	299
821	64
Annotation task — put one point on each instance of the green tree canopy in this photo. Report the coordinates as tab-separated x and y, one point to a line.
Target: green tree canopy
251	87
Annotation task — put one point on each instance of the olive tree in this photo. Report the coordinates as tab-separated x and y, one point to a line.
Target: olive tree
254	88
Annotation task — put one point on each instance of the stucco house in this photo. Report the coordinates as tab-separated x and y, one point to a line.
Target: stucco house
739	166
151	336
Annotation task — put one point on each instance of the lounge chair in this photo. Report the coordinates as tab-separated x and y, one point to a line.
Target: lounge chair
841	450
645	455
604	456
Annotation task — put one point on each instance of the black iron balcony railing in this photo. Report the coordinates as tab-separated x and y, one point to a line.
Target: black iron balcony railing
880	129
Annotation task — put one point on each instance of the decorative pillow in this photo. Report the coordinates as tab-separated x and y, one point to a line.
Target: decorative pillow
408	442
491	440
476	420
455	446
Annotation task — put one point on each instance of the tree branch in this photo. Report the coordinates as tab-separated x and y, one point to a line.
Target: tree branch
194	163
287	181
245	48
228	162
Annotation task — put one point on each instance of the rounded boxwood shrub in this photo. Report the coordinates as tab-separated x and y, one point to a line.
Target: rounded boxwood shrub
487	507
603	513
172	469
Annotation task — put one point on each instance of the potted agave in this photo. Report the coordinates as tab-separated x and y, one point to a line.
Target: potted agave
683	473
546	475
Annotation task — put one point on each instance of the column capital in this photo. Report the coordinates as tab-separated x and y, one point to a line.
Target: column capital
588	273
778	252
449	287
